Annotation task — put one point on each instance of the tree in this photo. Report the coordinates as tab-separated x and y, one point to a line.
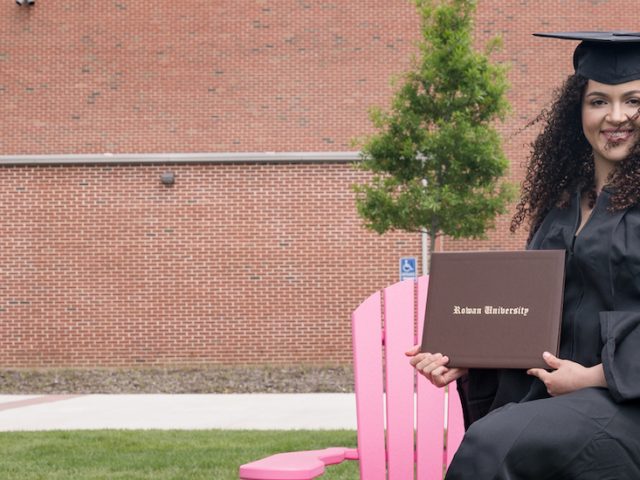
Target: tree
437	160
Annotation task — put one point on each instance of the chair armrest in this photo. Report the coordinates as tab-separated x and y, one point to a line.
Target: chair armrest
304	465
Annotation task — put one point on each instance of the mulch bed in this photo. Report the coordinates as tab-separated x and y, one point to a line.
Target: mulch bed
201	379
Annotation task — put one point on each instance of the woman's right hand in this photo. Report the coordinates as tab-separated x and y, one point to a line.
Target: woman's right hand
433	366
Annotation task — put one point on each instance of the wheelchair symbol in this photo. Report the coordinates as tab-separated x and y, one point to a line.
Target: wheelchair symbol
408	266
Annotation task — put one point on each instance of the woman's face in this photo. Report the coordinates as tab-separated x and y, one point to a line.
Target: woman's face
610	119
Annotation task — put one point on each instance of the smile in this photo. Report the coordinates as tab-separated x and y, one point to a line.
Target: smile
617	135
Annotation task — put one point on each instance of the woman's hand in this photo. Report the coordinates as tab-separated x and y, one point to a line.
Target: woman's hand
433	367
568	376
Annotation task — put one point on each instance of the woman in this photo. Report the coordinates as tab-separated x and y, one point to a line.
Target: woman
581	418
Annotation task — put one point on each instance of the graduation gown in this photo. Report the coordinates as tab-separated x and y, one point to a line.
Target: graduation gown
515	429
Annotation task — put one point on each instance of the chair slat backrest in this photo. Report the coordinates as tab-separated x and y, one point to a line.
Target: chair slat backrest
399	332
455	423
367	372
398	326
430	409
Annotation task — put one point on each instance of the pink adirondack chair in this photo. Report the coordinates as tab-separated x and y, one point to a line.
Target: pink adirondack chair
413	413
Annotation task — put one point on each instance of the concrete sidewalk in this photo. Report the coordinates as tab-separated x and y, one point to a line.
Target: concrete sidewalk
231	411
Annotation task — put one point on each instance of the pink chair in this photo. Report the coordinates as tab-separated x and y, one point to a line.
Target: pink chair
413	409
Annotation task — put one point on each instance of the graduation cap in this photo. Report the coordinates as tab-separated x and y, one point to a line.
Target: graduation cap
606	57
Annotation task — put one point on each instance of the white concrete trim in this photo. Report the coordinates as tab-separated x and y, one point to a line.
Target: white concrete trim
136	158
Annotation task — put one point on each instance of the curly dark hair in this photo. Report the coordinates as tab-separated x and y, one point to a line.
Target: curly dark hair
562	161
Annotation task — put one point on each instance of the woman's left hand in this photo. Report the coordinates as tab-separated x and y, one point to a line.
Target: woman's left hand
568	376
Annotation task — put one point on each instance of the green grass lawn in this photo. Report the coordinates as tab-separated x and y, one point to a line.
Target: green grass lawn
156	454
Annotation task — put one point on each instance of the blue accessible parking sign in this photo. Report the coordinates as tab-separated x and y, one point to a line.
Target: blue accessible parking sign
408	268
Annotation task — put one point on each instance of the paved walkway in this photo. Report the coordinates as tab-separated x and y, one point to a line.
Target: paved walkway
232	411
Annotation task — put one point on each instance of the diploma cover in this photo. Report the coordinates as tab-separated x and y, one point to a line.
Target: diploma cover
494	309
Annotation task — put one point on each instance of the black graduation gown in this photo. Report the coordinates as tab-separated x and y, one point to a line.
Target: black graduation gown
515	429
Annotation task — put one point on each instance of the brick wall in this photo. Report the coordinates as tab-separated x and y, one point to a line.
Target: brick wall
247	262
103	265
93	76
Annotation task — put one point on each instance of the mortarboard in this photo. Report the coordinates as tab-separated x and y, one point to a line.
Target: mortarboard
606	57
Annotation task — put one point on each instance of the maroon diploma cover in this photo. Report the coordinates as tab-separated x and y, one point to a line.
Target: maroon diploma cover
494	309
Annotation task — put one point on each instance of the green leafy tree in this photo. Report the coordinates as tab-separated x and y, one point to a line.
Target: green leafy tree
437	158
